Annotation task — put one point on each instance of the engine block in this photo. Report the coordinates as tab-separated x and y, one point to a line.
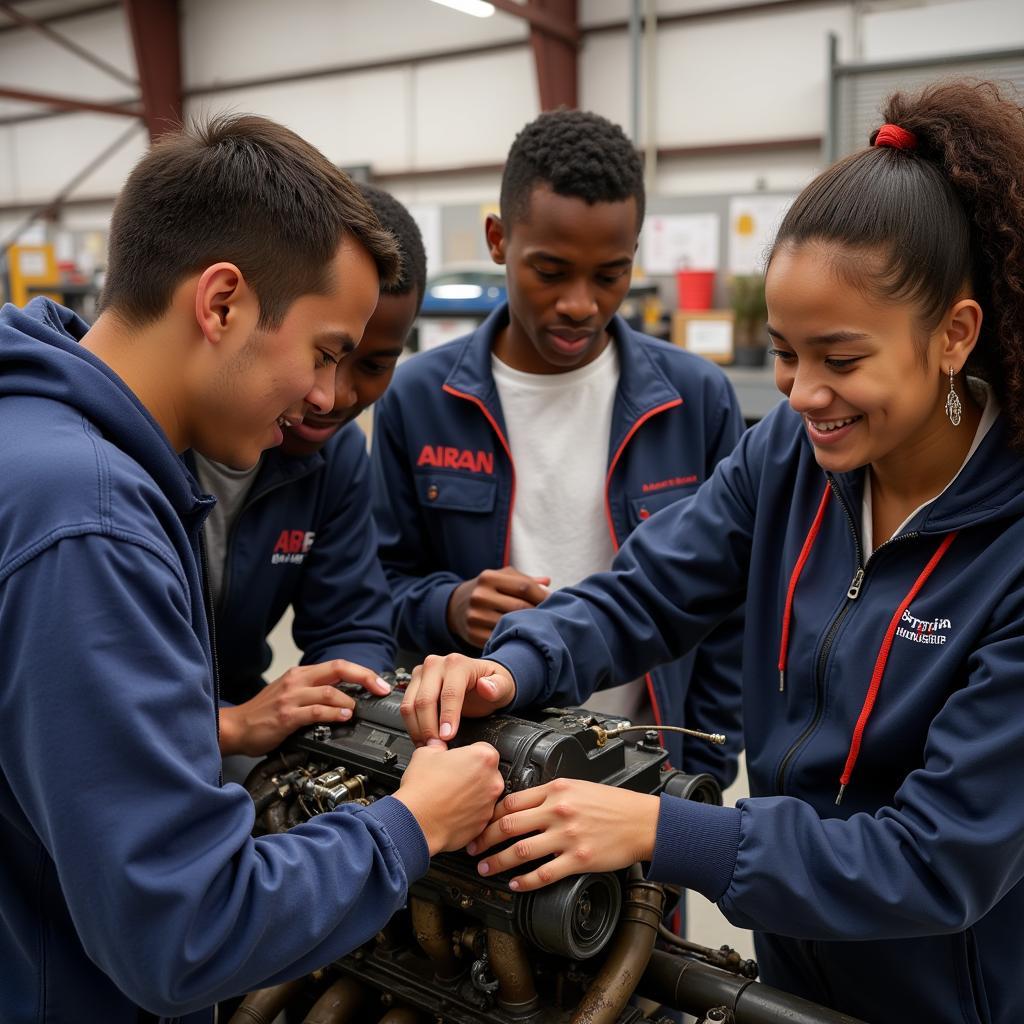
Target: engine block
468	948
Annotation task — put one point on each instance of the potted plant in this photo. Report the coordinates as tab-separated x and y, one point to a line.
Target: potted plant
750	314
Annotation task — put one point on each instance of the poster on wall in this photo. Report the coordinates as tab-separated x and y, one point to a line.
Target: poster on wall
753	221
672	242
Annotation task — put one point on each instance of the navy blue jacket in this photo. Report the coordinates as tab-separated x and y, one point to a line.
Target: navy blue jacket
904	902
129	876
675	416
304	537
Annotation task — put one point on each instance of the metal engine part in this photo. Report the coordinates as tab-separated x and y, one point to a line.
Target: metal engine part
469	949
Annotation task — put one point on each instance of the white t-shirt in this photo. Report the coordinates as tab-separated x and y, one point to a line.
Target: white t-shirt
983	395
558	427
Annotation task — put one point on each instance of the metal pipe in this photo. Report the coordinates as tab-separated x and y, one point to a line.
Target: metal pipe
685	984
634	72
340	1004
428	925
650	95
264	1004
642	908
511	966
401	1015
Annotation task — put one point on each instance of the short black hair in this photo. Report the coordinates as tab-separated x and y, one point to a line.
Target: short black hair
394	217
576	153
239	188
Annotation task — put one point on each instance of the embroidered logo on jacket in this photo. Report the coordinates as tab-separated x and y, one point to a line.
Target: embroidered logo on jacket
456	458
674	481
292	546
922	631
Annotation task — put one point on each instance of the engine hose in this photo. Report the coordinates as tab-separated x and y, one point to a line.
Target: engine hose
433	937
401	1015
642	909
264	1004
342	1003
685	984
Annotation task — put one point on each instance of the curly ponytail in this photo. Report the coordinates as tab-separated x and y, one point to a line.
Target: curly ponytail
948	213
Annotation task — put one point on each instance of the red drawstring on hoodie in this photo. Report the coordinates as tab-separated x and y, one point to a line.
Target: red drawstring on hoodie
883	653
805	553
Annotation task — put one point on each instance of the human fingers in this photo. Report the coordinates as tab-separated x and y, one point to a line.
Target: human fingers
508	826
490	687
338	670
419	706
513	583
458	675
526	851
550	871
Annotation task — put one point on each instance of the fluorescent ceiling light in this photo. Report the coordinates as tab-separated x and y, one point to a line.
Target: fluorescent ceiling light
478	8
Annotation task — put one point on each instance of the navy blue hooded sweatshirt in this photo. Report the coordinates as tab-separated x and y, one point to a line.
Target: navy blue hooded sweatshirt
129	877
904	902
304	537
444	484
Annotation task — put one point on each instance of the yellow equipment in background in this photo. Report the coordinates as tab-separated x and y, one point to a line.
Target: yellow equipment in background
31	268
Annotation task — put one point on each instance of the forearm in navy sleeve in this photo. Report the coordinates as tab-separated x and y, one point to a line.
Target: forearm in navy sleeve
168	891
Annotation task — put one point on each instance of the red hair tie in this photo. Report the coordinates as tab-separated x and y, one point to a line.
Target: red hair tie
896	137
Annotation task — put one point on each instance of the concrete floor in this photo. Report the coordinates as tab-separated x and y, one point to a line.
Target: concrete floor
706	924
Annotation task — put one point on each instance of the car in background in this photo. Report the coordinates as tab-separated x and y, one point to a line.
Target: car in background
456	300
470	289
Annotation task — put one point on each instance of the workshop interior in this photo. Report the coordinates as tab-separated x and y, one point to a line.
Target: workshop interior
731	109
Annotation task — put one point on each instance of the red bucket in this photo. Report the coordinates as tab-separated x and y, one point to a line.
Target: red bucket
696	288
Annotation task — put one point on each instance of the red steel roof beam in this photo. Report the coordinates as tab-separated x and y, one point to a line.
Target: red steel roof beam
156	38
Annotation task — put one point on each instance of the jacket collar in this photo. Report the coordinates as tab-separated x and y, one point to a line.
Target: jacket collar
276	469
988	488
642	386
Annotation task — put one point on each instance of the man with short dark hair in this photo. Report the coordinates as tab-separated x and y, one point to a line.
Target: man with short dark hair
520	457
297	530
243	268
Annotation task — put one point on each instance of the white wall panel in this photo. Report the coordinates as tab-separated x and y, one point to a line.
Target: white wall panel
465	188
30	61
711	175
601	12
760	78
468	111
225	40
605	81
48	154
354	119
6	163
941	27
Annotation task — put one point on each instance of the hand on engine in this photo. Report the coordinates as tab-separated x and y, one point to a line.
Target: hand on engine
444	689
583	826
451	793
476	605
302	696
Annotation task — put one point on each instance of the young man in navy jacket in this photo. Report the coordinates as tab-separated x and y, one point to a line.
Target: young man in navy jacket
243	267
519	458
297	529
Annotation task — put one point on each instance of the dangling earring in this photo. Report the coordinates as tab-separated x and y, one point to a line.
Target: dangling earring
953	407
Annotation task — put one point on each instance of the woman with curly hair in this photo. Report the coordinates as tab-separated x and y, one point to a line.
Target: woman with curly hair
875	526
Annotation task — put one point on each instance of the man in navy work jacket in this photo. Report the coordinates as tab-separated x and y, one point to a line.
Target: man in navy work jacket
517	459
243	266
297	529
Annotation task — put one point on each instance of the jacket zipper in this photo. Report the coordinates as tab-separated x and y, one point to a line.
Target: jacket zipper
637	424
212	630
856	585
